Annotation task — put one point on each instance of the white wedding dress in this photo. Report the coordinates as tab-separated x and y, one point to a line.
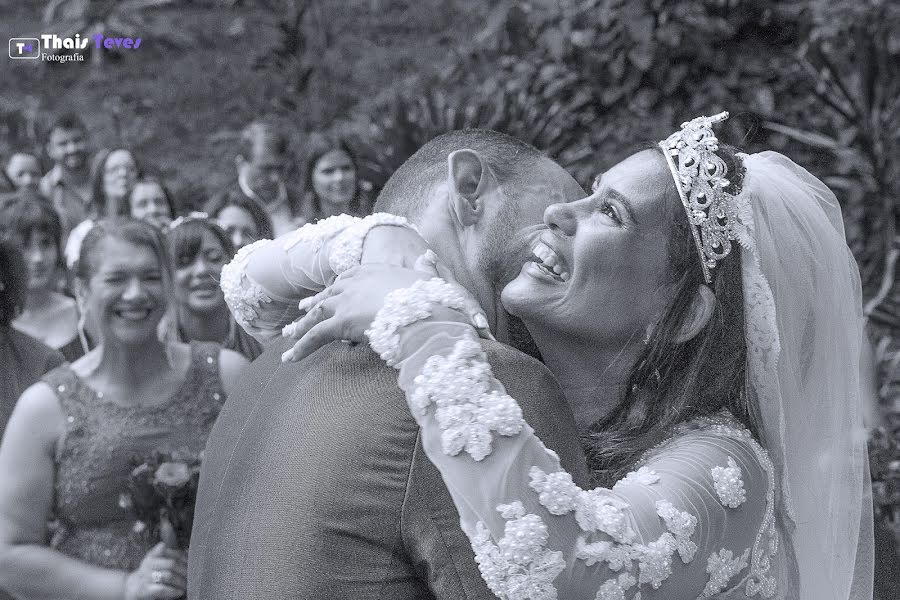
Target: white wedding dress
705	514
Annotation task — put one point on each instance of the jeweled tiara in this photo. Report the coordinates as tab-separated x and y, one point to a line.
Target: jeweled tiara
700	178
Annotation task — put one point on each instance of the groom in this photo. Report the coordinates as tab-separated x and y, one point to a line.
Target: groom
315	484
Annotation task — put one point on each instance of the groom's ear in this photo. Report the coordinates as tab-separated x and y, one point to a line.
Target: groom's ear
470	182
701	310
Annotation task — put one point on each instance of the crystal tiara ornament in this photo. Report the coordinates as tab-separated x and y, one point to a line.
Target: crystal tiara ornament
700	178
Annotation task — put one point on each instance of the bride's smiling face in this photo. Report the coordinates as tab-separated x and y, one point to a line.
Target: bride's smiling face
599	272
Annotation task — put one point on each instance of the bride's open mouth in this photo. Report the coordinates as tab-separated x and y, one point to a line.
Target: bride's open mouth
549	263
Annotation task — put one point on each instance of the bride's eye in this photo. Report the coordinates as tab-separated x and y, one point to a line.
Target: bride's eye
610	211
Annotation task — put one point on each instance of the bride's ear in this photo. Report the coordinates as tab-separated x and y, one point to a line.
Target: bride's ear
471	183
701	310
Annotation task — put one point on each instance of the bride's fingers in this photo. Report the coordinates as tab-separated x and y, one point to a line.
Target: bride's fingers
301	326
321	334
440	269
427	263
310	301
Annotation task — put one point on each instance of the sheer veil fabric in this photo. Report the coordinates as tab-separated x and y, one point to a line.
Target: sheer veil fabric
804	324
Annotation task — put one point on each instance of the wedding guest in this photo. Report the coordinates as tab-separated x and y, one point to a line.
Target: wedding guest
199	249
75	437
151	201
25	359
67	184
331	183
31	224
243	219
23	171
113	176
262	161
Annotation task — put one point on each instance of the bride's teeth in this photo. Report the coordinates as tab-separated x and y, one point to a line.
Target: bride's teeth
564	276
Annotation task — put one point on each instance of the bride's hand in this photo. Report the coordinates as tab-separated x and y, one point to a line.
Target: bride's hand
346	309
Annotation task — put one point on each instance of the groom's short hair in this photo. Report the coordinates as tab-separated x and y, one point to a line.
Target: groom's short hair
408	191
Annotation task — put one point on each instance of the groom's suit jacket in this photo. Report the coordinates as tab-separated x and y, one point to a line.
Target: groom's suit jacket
315	485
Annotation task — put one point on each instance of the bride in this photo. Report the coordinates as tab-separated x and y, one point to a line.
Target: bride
702	309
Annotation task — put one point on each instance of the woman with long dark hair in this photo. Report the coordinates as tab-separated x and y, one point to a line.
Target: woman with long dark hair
331	180
199	249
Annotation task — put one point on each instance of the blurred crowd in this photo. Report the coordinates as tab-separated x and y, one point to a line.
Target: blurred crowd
46	216
110	303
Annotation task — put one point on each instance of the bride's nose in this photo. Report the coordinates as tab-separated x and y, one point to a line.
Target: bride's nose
561	218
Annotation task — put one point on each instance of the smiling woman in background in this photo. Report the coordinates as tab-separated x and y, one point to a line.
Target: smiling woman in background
199	249
331	180
68	448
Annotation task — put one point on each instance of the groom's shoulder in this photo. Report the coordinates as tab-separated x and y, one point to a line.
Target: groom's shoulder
515	368
543	404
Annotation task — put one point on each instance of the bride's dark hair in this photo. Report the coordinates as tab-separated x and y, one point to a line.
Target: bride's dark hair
673	382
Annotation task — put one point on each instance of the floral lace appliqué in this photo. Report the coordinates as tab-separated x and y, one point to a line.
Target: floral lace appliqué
680	524
615	588
519	567
722	566
616	556
404	307
557	492
655	560
729	484
643	476
467	411
599	510
242	295
316	234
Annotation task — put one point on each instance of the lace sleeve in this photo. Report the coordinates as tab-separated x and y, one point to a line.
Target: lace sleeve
694	520
265	281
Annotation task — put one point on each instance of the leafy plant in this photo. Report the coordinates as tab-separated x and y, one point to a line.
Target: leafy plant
120	18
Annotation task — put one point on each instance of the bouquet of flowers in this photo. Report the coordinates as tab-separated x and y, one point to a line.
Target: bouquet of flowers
162	492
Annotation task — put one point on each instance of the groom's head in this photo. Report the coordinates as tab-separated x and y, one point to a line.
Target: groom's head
478	198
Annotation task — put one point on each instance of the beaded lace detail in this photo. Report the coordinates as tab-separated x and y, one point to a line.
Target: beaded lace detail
346	251
598	510
722	566
316	234
519	566
765	545
729	484
680	524
467	410
557	492
243	296
615	588
404	307
642	476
